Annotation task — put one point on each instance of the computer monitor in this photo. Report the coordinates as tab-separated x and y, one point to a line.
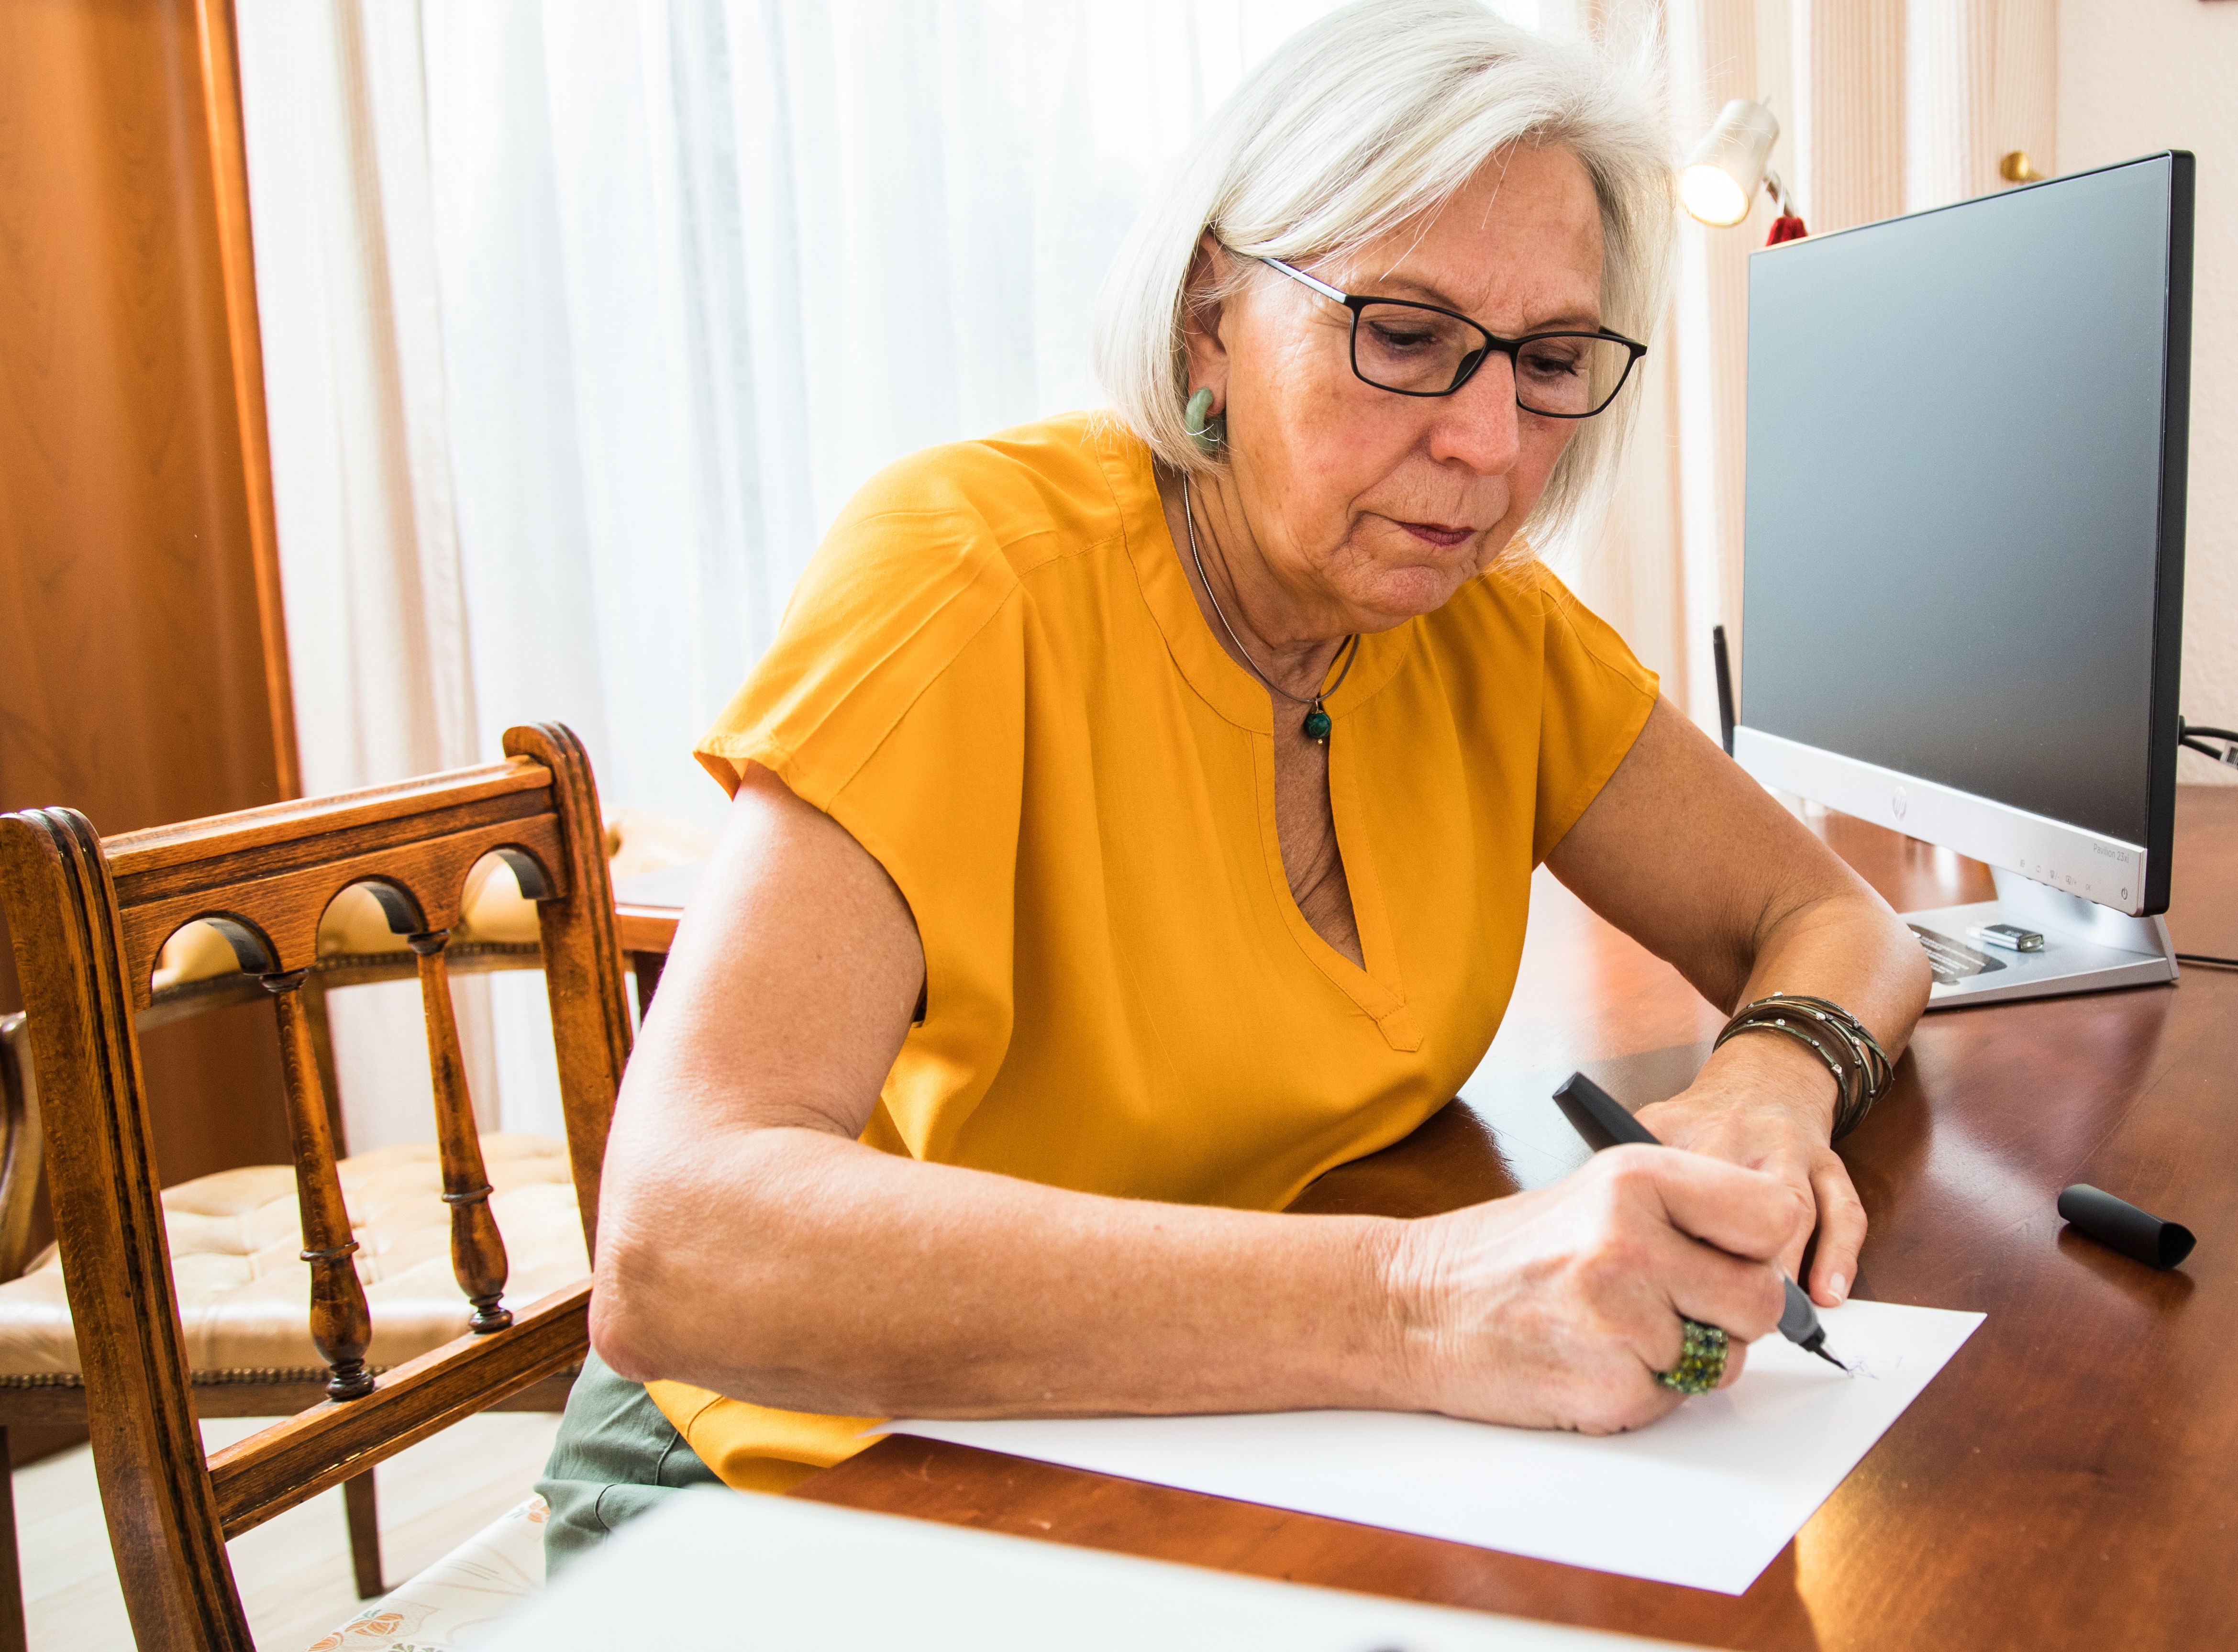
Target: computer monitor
1962	591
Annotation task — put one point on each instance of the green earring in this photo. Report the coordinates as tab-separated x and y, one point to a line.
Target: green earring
1203	429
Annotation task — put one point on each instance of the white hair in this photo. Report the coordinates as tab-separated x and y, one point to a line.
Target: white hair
1359	122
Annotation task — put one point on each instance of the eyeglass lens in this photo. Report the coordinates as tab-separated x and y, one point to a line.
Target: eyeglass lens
1420	352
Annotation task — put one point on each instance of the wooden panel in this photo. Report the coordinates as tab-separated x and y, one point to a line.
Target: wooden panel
2065	1482
214	1092
229	167
142	670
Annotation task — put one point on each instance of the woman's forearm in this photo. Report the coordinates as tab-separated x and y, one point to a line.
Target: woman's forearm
1849	948
803	1270
1846	948
1696	862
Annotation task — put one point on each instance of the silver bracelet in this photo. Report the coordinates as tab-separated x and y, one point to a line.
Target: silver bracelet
1862	1069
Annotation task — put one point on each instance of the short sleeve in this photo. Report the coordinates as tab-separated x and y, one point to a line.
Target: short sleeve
893	699
1595	697
907	579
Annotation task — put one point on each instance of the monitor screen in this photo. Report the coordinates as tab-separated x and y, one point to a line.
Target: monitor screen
1957	434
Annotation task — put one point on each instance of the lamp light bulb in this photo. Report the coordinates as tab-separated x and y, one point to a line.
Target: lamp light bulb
1712	195
1721	176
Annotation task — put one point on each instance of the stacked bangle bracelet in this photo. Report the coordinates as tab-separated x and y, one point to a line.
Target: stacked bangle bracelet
1862	1069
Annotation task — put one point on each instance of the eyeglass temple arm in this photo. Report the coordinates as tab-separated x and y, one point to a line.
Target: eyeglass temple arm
1294	274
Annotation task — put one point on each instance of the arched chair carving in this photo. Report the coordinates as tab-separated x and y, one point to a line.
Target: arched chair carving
89	918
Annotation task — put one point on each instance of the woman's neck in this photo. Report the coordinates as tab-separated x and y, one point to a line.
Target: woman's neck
1265	623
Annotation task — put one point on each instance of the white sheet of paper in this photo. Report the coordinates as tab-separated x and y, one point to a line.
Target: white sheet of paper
1706	1497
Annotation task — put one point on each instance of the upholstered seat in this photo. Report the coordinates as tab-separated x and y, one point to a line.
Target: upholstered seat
243	1288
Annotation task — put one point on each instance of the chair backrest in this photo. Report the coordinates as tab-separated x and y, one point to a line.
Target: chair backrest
23	1145
89	917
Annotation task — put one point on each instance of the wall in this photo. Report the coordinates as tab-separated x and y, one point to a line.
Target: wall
2137	75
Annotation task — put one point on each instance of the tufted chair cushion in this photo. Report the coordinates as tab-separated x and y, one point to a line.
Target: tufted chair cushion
244	1292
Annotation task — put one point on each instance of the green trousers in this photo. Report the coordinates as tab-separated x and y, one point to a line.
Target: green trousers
616	1457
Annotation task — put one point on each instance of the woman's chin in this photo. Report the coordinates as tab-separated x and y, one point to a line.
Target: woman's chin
1394	595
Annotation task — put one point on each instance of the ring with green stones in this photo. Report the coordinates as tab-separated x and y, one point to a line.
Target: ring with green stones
1701	1364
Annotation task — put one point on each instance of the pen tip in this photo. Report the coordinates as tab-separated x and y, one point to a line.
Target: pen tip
1835	1363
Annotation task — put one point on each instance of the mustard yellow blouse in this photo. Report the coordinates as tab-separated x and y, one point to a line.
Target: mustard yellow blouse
994	675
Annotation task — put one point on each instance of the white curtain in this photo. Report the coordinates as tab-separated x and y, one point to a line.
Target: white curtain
583	318
379	640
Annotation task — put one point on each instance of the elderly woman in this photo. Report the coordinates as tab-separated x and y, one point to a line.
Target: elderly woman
1135	819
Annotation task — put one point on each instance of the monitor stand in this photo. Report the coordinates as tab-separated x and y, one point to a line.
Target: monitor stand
2087	947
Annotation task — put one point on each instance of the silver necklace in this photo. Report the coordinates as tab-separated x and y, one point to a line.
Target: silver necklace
1317	725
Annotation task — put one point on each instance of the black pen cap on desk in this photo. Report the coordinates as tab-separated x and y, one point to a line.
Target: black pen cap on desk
2124	1227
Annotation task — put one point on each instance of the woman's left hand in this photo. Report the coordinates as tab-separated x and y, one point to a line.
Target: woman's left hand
1768	1104
1692	859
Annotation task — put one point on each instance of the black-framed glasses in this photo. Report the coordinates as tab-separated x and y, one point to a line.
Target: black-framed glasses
1423	349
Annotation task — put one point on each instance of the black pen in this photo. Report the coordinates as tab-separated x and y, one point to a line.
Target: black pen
1600	1118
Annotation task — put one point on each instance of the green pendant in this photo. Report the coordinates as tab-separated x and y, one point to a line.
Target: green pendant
1316	724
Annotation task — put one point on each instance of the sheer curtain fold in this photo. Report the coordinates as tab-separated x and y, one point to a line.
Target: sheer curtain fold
354	371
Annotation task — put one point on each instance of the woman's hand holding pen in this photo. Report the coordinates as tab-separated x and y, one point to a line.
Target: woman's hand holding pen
1556	1308
1768	1104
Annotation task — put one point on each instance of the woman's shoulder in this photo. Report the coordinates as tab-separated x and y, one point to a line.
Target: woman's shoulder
920	578
1517	592
1519	608
932	547
1022	496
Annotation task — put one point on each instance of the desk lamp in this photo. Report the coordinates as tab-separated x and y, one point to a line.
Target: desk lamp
1719	180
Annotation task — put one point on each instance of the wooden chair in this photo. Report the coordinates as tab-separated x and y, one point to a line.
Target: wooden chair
262	1367
89	917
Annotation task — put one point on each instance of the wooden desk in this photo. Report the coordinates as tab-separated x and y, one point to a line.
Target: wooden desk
2070	1480
647	908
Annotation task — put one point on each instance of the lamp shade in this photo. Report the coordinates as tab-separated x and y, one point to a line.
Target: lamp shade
1718	182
